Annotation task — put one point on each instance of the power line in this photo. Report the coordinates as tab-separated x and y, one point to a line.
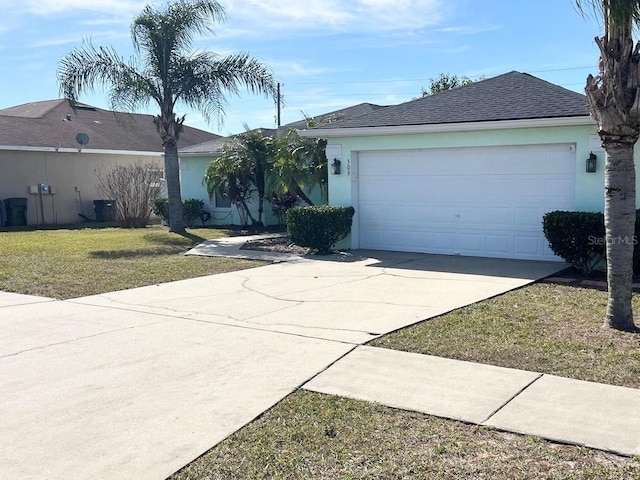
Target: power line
422	79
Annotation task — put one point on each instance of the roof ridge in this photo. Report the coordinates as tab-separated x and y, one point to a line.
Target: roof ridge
21	110
509	96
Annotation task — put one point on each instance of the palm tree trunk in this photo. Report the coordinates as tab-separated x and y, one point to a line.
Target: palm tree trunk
303	195
172	175
620	217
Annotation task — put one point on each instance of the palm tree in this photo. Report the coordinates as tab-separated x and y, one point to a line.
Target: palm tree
614	102
245	157
230	176
166	73
299	164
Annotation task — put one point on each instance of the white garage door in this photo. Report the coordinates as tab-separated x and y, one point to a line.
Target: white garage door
466	201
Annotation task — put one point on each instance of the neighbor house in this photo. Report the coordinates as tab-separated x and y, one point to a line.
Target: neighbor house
51	154
469	171
195	159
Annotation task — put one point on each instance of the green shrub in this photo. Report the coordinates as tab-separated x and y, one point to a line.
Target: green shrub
161	208
319	227
577	237
191	209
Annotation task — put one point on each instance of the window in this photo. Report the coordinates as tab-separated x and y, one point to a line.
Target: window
220	201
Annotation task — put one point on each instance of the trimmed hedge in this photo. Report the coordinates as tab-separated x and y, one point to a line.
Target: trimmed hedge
319	227
191	209
579	238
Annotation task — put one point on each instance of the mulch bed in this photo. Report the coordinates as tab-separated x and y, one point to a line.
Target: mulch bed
573	276
276	244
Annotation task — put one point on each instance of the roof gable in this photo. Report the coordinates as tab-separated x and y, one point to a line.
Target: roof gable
54	124
511	96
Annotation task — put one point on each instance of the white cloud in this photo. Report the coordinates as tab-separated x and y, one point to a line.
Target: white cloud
79	39
298	68
48	7
356	16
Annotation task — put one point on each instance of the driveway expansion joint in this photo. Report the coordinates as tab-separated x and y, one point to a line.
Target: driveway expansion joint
511	399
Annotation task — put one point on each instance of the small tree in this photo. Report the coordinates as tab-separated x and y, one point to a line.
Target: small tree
446	81
300	163
252	152
134	188
230	177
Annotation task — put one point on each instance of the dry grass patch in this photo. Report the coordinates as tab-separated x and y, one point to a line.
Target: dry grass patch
309	436
79	262
544	327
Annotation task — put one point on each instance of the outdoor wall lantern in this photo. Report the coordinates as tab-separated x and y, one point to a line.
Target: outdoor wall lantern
335	167
592	163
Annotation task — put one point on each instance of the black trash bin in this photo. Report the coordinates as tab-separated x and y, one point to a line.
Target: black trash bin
2	213
16	211
105	210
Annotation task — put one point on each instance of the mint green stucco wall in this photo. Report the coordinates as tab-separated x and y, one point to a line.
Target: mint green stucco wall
589	194
192	170
589	189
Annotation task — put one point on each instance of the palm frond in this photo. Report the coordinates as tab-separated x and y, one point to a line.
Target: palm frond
172	30
620	11
203	81
86	68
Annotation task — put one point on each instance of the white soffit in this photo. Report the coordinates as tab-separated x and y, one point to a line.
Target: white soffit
446	127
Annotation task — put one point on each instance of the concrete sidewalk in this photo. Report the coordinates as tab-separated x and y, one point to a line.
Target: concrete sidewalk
560	409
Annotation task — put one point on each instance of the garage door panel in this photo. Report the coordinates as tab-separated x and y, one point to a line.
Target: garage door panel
499	216
444	242
486	201
524	217
498	188
526	246
445	215
473	243
472	216
557	188
498	245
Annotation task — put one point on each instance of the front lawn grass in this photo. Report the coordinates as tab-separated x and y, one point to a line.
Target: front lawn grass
314	436
70	263
544	327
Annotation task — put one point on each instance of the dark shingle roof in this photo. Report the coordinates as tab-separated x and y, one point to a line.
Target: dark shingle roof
338	115
511	96
53	124
215	146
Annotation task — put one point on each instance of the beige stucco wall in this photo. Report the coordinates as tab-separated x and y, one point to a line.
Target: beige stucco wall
72	176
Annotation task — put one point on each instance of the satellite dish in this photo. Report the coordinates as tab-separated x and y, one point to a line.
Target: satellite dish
82	139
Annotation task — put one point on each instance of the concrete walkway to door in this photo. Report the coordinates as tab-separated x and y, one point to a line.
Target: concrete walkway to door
137	383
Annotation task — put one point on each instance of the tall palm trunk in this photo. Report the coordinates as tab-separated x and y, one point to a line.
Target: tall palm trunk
172	174
620	216
614	102
169	128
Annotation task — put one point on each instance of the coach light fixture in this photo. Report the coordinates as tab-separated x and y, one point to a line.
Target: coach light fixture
335	167
592	163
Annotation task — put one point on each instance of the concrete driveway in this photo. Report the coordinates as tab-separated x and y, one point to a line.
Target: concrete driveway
137	383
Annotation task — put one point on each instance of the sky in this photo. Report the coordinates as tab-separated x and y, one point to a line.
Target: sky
326	54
